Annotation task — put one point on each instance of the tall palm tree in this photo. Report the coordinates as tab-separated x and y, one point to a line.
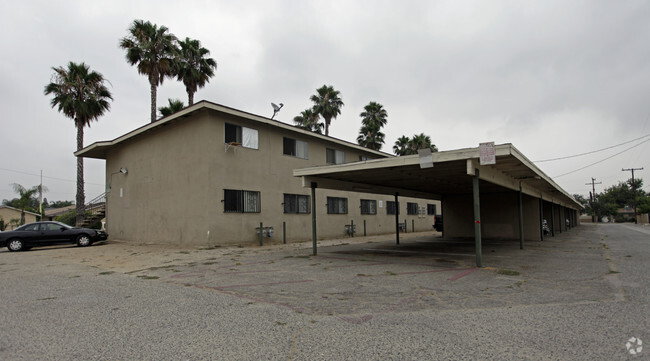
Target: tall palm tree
81	95
374	113
327	104
152	48
401	146
373	118
309	120
193	68
371	137
174	106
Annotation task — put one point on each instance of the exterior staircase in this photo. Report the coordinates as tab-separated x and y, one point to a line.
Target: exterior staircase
95	210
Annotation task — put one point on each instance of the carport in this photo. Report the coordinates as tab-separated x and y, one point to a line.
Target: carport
513	195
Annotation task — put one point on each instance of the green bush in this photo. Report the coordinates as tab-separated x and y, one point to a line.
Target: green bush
70	219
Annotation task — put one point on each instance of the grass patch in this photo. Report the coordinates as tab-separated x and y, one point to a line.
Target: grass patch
106	273
611	272
184	252
145	277
46	298
391	273
209	263
629	255
508	272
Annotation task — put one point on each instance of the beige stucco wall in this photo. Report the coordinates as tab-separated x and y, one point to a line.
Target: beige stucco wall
7	214
177	174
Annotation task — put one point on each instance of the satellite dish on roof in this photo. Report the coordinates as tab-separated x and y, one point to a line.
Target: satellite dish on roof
276	109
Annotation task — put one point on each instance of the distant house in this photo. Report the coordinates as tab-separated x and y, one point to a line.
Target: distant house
210	175
52	213
7	214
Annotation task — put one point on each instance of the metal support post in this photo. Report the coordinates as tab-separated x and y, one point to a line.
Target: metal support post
541	218
284	232
351	228
313	217
521	219
552	219
397	218
364	227
261	234
477	220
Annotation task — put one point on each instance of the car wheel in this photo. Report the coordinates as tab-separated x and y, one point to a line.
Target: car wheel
15	245
83	240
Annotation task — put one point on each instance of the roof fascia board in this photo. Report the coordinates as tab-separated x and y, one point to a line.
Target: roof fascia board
327	183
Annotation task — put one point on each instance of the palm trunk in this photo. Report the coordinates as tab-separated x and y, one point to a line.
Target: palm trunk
190	98
153	101
81	197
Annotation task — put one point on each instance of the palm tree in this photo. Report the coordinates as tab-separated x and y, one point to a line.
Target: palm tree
26	199
406	146
174	106
327	104
152	49
421	141
374	113
373	118
309	120
401	146
371	137
193	68
81	95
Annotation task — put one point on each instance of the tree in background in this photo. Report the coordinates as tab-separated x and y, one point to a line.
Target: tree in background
406	146
26	199
619	196
327	104
81	95
373	118
193	67
153	49
174	106
308	120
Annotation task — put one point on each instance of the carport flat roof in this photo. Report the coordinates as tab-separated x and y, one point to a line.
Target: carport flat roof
451	174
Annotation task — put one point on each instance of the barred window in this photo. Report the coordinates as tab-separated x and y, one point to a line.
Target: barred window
296	203
238	201
431	209
391	207
337	205
411	208
368	206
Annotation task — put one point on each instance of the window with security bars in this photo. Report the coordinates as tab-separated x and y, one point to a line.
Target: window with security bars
296	204
391	207
412	208
337	205
368	206
431	209
238	201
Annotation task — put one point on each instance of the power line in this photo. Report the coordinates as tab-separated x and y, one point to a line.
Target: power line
602	160
38	175
592	152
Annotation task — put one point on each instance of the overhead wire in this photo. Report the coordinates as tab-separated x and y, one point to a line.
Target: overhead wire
602	160
592	152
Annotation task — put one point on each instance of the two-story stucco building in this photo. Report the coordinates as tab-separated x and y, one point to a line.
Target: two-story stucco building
210	175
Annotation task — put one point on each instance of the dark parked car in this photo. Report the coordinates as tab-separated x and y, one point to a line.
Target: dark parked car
48	233
438	223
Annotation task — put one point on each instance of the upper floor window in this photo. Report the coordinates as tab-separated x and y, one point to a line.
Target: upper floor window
246	137
363	158
296	148
334	156
368	206
296	203
237	201
337	205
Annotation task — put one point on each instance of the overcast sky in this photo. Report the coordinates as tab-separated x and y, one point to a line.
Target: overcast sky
554	78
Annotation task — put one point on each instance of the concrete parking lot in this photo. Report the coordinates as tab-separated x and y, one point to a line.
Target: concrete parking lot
580	295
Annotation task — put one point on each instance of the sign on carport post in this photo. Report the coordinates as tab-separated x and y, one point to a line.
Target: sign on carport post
486	152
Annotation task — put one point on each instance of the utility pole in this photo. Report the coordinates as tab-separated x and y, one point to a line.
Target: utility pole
633	187
593	197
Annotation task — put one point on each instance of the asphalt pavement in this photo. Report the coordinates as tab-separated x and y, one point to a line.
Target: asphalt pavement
581	295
